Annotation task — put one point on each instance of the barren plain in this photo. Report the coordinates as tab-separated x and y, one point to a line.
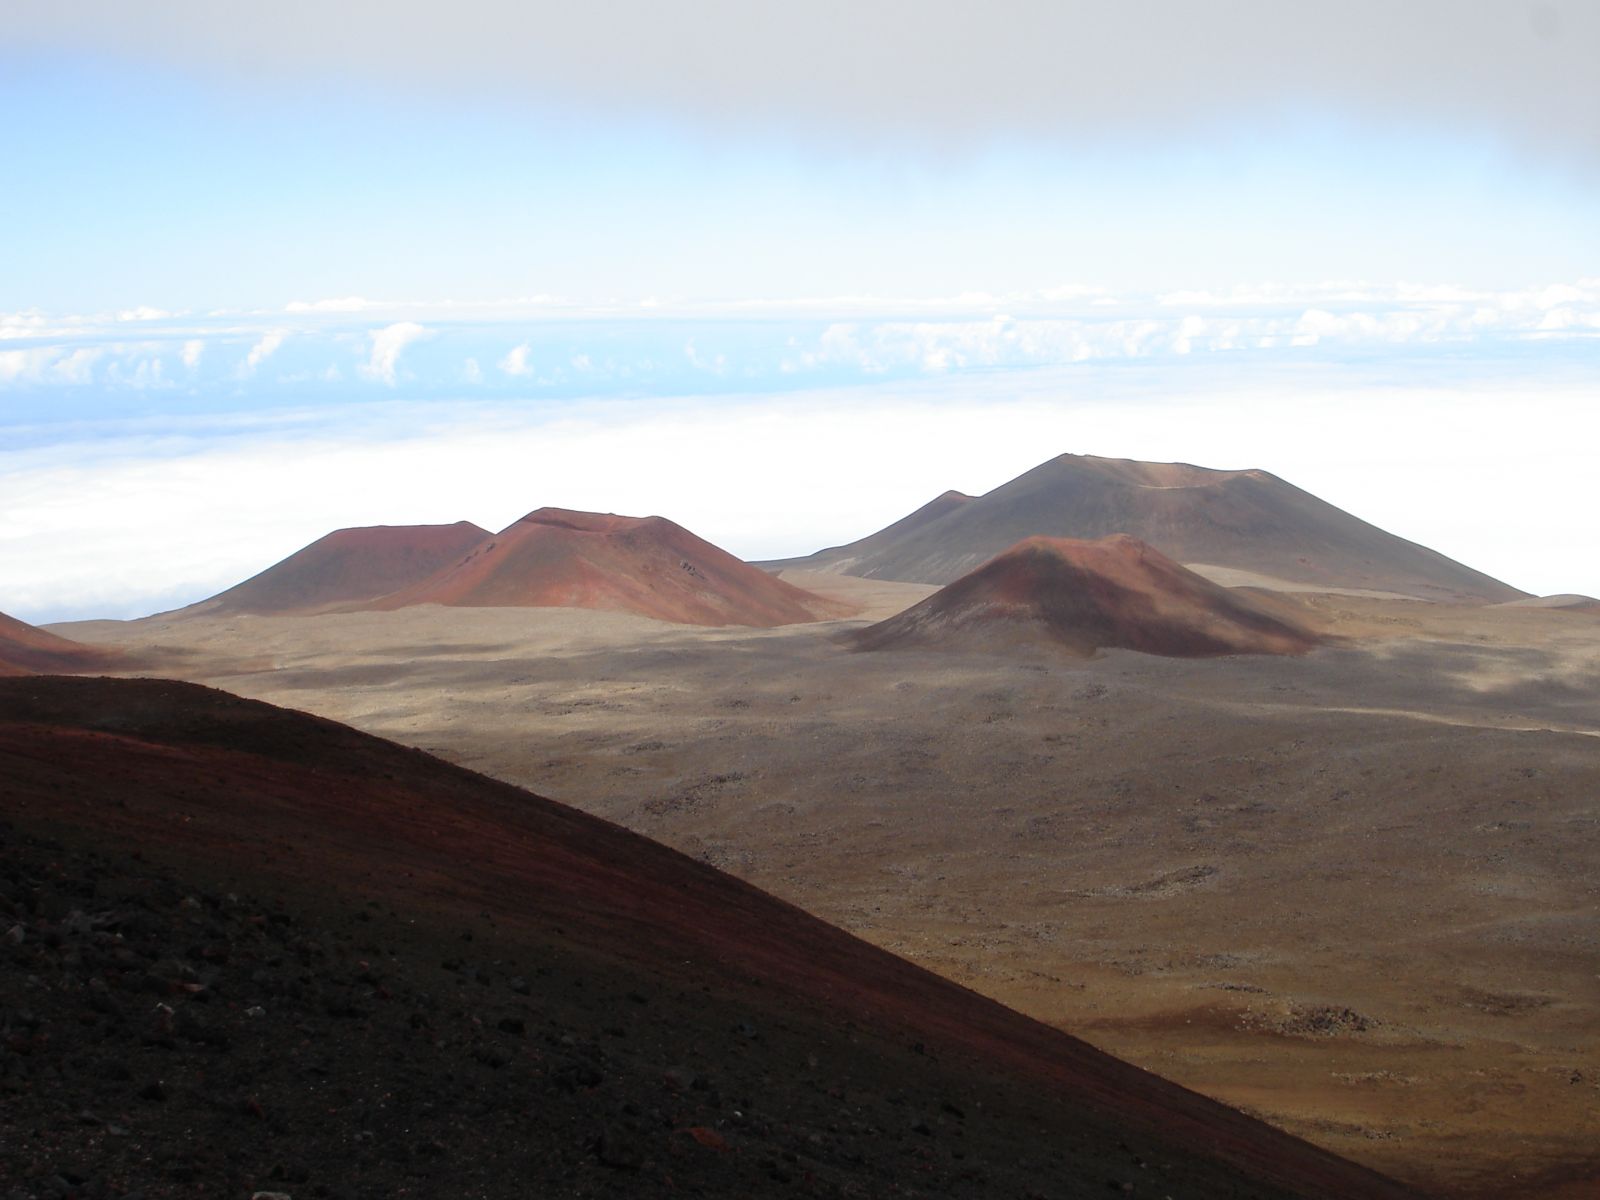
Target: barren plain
1356	892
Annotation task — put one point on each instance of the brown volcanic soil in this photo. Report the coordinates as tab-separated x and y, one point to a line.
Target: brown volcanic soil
1243	520
1087	597
27	650
348	566
1353	890
605	1017
556	558
1566	602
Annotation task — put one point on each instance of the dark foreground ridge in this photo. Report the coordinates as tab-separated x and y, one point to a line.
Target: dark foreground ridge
251	950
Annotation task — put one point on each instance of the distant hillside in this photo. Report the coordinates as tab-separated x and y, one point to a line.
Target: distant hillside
27	650
1244	520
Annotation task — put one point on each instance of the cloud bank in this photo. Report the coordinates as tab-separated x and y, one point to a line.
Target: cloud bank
329	353
156	517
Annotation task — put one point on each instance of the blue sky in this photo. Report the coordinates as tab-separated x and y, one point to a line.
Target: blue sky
305	231
131	184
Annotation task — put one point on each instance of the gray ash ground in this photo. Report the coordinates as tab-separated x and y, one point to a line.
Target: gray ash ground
162	1037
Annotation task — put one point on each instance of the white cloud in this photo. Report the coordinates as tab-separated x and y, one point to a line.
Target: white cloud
716	364
867	336
77	367
19	365
140	374
143	313
387	344
45	365
1262	316
31	323
471	372
343	304
261	351
516	363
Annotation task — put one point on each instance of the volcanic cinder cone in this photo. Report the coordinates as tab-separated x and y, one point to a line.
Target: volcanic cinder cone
347	566
557	558
1088	596
1248	521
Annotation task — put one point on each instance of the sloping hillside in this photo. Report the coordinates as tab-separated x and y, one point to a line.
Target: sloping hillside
288	954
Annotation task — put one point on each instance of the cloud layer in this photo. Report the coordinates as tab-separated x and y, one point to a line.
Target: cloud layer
313	351
138	519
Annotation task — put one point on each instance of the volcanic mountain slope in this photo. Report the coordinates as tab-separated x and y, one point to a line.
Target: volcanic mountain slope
556	558
1244	520
1089	596
1565	602
841	558
456	986
27	650
347	566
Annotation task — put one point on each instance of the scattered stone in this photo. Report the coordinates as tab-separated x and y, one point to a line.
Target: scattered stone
617	1152
709	1138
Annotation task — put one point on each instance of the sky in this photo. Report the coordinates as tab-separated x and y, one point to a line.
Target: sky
781	272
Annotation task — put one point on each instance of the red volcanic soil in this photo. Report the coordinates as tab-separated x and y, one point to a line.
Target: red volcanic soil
517	997
555	558
28	650
348	566
1089	596
1246	520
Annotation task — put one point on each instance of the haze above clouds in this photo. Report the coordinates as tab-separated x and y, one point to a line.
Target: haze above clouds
923	70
